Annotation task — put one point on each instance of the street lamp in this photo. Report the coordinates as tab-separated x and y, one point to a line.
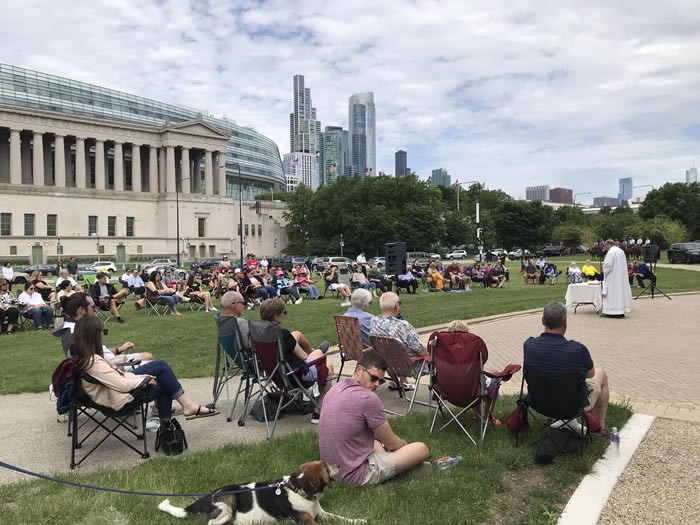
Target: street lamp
577	194
478	216
459	186
240	206
643	186
342	244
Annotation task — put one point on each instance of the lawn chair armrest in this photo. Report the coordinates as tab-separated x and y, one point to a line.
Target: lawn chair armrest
419	358
505	374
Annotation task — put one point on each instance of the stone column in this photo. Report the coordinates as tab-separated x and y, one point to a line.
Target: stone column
221	167
118	167
161	171
170	170
136	168
152	169
208	175
79	163
100	175
15	157
38	159
185	181
60	156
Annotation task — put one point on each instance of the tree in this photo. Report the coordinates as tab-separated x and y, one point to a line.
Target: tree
298	218
677	201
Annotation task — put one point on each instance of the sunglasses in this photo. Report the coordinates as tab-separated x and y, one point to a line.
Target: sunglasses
373	378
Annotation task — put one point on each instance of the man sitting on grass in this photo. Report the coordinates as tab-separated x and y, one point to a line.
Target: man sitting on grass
551	351
355	434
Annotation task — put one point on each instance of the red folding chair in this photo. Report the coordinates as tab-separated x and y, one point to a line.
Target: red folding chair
349	340
401	364
458	378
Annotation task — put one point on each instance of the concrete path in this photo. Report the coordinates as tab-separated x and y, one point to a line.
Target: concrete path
651	358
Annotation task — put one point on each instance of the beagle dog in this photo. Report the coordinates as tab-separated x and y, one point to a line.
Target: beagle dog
291	497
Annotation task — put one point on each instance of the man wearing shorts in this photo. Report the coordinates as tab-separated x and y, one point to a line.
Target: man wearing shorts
355	434
551	351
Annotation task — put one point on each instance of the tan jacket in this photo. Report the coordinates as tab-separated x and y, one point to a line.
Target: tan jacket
114	391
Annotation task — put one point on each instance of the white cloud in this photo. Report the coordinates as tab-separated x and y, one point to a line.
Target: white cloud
562	93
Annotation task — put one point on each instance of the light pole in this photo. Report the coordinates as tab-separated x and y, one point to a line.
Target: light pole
577	194
478	216
342	244
643	186
240	206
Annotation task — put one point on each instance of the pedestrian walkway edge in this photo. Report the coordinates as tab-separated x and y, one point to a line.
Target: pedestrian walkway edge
586	504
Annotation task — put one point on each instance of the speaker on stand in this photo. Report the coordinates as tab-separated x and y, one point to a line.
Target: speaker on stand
395	255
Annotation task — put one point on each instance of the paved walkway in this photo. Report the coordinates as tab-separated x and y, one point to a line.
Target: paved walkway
651	358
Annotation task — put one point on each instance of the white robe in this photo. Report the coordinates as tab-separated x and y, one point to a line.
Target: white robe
617	294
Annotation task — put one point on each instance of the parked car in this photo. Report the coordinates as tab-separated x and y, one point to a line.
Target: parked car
180	272
209	263
377	260
343	263
105	266
20	278
154	262
285	263
434	256
319	264
519	254
47	270
684	252
423	258
551	250
457	254
298	259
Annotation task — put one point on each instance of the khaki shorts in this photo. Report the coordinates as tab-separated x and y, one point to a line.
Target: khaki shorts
381	468
593	393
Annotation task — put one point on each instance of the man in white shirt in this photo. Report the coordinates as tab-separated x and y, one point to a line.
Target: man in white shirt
64	276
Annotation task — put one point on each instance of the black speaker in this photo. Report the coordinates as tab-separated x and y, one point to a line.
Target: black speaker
649	253
395	255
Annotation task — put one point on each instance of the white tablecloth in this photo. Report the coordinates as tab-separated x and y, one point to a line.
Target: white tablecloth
589	293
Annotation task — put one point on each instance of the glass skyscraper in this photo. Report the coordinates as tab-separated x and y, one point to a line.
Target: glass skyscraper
626	190
335	160
361	121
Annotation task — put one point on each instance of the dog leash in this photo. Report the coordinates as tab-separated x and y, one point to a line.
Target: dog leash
276	484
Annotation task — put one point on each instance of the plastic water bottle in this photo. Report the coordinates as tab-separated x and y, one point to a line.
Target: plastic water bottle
446	462
615	441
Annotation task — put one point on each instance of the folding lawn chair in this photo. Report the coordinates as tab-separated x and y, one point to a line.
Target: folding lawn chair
277	376
349	340
401	365
561	397
155	306
233	357
458	378
105	314
112	423
195	304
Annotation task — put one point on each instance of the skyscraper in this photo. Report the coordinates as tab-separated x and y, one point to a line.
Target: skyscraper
440	177
626	190
300	168
361	122
335	160
400	160
304	129
691	175
561	195
537	193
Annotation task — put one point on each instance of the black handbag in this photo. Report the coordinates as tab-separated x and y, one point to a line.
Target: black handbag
171	438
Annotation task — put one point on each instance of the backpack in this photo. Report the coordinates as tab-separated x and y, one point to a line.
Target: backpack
63	381
171	438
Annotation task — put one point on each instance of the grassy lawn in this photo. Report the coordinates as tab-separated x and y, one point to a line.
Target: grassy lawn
28	358
494	483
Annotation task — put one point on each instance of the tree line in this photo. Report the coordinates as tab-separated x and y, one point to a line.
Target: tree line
371	212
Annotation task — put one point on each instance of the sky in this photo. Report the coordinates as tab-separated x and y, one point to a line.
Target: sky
512	94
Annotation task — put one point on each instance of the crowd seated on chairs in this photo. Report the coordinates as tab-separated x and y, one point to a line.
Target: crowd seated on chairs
434	278
551	273
458	280
194	292
360	280
285	286
379	278
65	289
135	284
9	313
63	275
255	285
590	272
406	281
32	305
530	272
332	282
106	296
573	274
303	282
158	293
48	294
497	275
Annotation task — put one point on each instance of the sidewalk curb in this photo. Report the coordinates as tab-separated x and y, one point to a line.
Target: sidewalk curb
586	504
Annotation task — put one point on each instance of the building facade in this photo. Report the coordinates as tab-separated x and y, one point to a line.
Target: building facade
561	195
87	170
335	158
304	129
439	177
600	202
626	190
362	133
301	168
400	164
537	193
691	175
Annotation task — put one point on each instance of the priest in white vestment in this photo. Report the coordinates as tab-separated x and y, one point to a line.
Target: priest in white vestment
617	294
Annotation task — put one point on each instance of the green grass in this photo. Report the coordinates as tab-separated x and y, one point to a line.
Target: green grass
494	483
28	358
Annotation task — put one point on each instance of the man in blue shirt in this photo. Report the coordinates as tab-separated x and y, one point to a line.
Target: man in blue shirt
642	272
551	351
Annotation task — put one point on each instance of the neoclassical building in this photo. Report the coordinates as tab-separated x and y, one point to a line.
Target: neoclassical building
86	171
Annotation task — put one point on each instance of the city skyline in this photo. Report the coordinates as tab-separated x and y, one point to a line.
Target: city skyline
509	95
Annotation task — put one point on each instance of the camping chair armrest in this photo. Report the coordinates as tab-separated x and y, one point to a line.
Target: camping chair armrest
504	374
305	366
418	358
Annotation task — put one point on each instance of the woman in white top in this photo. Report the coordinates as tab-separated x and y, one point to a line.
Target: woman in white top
35	306
9	274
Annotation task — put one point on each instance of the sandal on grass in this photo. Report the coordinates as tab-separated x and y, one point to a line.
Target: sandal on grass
202	412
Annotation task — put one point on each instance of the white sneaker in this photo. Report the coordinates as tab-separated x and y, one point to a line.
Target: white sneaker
153	424
298	301
212	309
185	299
346	303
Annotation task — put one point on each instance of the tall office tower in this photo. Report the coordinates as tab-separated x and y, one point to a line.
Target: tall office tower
626	189
537	193
300	168
361	122
400	160
561	195
335	160
440	177
304	129
691	175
